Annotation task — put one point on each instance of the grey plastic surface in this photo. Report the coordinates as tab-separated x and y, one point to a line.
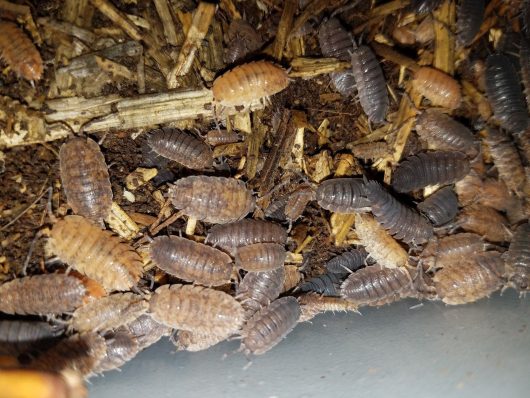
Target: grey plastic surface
478	350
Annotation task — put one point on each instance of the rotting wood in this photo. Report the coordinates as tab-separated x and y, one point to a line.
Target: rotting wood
167	21
444	40
68	28
77	12
255	141
310	67
284	28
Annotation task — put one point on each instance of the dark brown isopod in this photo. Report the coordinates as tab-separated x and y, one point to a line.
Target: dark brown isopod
217	200
440	207
260	257
504	93
441	132
325	284
246	232
222	137
42	295
17	336
470	14
270	325
242	39
375	286
181	147
259	289
524	61
191	261
347	262
518	258
276	210
121	347
371	84
484	221
429	168
370	151
147	331
297	202
401	221
342	195
451	249
85	178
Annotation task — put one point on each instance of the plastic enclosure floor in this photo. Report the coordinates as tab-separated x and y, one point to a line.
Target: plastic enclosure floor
479	350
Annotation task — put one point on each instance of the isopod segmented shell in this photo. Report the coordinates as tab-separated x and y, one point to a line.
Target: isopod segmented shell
121	347
19	52
518	258
147	331
451	249
440	207
346	262
470	14
342	195
194	341
326	284
259	289
484	221
242	39
260	257
17	336
438	87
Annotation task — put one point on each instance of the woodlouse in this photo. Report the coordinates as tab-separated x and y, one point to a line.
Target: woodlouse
109	312
438	87
17	336
276	210
524	61
506	159
470	14
375	286
193	341
121	347
85	178
503	90
429	168
181	147
518	258
216	200
465	282
312	304
297	202
424	6
441	132
401	221
19	52
242	39
270	325
249	82
378	242
342	195
325	284
246	232
259	289
346	262
260	257
191	261
147	331
96	253
293	276
196	309
42	294
451	249
371	83
484	221
488	192
370	151
222	137
440	207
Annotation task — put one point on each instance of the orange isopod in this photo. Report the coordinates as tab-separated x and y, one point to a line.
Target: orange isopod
438	87
19	52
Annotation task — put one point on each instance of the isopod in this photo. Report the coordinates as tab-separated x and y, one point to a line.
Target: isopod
147	331
370	151
85	178
371	84
378	242
42	295
196	309
401	221
19	52
293	276
325	284
297	202
440	207
484	221
312	304
96	253
193	341
276	210
347	262
17	336
429	168
506	159
216	200
424	6
260	257
441	132
121	347
451	249
270	325
246	232
518	258
109	312
438	87
249	82
242	39
503	90
222	137
465	282
524	61
470	14
191	261
181	147
375	286
342	195
488	192
259	289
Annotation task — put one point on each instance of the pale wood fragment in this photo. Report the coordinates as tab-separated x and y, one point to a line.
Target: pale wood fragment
164	12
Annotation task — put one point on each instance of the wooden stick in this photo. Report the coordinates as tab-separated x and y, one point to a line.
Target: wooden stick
284	28
167	21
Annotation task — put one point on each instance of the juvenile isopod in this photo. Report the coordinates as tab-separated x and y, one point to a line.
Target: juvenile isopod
121	347
342	195
270	325
470	14
181	147
85	178
147	331
19	52
347	262
96	253
297	202
276	210
42	295
429	168
370	151
222	137
375	286
401	221
325	284
194	341
484	221
191	261
371	83
196	309
503	90
441	132
451	249
260	257
245	232
109	312
518	258
259	289
312	304
440	207
242	39
378	242
438	87
217	200
249	82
